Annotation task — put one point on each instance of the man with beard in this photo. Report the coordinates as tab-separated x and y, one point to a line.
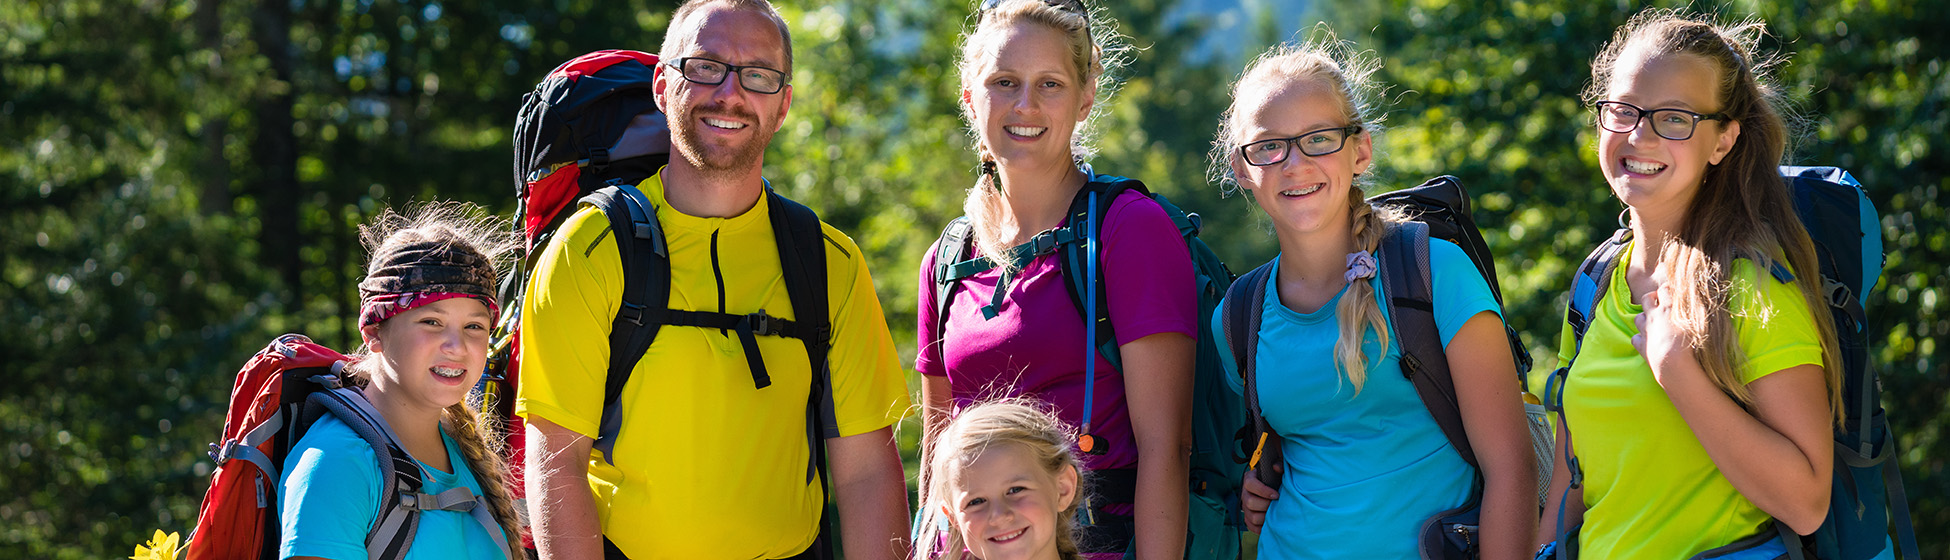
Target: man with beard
711	455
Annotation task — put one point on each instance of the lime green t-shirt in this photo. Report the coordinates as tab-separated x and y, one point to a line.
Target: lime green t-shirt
1650	490
706	465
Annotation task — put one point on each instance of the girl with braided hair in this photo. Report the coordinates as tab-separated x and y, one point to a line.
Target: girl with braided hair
1364	462
428	305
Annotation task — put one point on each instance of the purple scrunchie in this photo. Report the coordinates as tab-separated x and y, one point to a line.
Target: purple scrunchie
1360	264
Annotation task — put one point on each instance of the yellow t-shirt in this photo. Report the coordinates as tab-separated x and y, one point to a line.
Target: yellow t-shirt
1650	490
705	465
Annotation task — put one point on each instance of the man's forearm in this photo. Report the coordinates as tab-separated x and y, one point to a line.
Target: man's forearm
561	509
872	493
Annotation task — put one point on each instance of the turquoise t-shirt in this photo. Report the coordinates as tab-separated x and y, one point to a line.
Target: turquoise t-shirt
330	499
1362	472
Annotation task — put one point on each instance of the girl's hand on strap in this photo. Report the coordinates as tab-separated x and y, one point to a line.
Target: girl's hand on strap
1255	498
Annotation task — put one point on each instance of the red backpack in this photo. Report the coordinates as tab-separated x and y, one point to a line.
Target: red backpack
591	123
280	393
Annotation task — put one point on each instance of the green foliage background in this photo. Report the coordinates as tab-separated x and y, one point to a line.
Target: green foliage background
181	180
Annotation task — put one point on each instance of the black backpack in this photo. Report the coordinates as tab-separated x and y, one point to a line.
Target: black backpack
1867	503
590	132
1216	415
1438	209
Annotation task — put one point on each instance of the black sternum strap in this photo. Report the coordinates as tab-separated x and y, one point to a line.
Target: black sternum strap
749	327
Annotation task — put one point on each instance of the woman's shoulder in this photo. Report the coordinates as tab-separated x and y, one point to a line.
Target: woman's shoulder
1135	208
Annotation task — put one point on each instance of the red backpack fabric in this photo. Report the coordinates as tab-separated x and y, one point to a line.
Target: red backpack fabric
239	511
592	122
280	393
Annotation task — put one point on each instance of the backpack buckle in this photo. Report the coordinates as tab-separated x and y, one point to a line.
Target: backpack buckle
765	325
1043	243
598	157
631	312
1837	293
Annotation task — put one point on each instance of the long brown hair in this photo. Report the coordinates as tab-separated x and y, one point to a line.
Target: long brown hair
1334	65
1095	49
467	228
1743	208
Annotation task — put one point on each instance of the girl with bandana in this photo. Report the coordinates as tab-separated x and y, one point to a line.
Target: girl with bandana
428	306
1364	462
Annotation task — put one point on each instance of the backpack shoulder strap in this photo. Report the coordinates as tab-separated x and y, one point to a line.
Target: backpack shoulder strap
1085	228
1240	318
646	286
802	259
1588	287
1410	297
951	264
393	530
1591	283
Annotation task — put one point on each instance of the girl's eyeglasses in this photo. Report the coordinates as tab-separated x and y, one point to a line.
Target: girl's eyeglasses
1670	124
1314	144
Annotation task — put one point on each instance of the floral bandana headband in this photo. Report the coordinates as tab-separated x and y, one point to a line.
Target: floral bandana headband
423	273
384	306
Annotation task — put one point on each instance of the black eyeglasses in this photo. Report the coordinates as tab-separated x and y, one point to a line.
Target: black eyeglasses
705	71
1314	144
1072	6
1670	124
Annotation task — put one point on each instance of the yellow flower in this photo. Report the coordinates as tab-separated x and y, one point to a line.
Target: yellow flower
159	547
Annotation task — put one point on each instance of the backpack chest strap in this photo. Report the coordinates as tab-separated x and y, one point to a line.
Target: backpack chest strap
1020	256
749	327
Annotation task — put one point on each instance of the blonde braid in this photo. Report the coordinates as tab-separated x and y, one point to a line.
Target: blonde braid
481	450
1358	311
984	208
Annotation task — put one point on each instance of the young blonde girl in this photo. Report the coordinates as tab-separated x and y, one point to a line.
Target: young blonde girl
1702	399
1365	465
428	306
1005	483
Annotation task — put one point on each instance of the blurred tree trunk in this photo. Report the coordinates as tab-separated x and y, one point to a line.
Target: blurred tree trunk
275	154
216	166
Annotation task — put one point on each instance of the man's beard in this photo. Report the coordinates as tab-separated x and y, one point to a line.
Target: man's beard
716	160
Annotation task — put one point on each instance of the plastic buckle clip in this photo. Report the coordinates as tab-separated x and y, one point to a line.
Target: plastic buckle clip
765	325
631	312
1044	243
1836	293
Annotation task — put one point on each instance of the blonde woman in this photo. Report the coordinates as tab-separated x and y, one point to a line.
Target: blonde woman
1031	72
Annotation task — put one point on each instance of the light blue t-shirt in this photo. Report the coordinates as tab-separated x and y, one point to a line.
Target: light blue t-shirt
330	499
1362	472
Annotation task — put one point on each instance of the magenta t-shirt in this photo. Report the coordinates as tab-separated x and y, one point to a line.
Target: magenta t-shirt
1035	344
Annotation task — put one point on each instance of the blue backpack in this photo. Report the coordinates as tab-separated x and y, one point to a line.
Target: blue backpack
1215	522
1867	500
